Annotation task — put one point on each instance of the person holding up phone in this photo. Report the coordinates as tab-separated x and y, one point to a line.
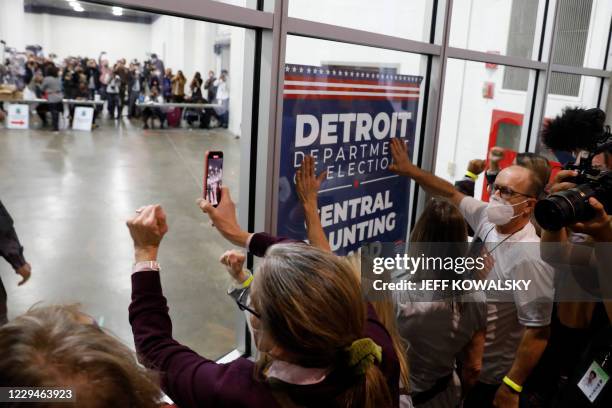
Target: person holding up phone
340	355
213	174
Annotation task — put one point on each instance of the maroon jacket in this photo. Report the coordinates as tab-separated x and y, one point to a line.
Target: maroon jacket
195	381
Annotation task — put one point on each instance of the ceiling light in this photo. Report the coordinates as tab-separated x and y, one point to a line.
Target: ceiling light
117	11
76	6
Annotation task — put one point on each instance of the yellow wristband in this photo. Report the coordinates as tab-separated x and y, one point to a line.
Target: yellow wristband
512	384
471	175
247	282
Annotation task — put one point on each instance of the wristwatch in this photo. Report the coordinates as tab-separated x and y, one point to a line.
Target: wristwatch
146	266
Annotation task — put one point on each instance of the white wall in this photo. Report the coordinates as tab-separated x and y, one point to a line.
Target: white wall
183	44
167	35
12	23
392	17
236	80
188	45
483	25
75	36
400	18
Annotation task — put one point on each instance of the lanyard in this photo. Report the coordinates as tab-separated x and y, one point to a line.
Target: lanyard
504	240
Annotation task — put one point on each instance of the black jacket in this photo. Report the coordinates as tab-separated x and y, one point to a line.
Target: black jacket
10	248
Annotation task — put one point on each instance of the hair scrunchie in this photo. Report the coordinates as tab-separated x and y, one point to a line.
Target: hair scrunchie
362	353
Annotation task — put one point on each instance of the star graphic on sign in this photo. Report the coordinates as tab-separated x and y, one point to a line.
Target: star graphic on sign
308	70
334	72
287	69
301	69
294	69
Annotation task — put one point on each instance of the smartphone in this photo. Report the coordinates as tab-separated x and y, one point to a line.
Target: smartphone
213	175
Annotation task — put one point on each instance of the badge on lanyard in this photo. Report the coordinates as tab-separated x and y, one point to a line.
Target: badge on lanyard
593	381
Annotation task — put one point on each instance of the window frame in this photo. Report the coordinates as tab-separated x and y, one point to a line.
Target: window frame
271	24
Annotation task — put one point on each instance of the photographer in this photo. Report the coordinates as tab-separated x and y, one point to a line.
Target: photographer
579	251
517	332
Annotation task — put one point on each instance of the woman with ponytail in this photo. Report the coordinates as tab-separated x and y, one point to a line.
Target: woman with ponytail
319	343
433	336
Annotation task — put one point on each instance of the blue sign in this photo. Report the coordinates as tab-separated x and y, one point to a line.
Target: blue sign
345	119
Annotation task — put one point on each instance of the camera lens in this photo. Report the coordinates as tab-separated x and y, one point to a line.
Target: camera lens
554	212
564	208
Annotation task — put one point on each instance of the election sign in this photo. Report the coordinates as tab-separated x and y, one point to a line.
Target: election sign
83	118
345	119
18	117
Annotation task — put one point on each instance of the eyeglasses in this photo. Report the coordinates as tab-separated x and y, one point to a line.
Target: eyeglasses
242	300
506	192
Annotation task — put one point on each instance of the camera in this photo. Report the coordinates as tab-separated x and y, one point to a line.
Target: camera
570	206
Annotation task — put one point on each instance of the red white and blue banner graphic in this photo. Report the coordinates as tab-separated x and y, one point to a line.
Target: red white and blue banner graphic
345	119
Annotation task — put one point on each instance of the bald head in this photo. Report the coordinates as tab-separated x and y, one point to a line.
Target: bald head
521	180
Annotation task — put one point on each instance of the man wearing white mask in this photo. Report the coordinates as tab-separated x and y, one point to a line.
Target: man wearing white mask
518	329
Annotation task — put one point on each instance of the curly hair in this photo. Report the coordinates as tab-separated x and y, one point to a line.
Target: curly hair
574	129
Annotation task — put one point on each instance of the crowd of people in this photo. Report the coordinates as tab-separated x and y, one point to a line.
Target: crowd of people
320	343
123	86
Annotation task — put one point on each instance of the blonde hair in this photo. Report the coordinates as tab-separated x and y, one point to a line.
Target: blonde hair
53	347
311	305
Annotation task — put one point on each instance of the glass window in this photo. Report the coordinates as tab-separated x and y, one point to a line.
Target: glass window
398	18
342	105
242	3
520	41
90	182
582	33
586	97
498	26
477	114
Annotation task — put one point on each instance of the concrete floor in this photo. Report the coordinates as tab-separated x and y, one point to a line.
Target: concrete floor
70	194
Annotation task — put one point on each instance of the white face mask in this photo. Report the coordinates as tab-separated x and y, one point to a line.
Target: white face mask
500	212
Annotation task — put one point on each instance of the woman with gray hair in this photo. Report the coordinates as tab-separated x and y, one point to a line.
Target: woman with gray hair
320	344
61	347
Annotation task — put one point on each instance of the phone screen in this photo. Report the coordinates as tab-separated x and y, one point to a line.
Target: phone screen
214	175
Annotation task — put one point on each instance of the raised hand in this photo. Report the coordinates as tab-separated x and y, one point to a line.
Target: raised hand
224	218
307	183
496	154
234	261
401	162
147	229
477	166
